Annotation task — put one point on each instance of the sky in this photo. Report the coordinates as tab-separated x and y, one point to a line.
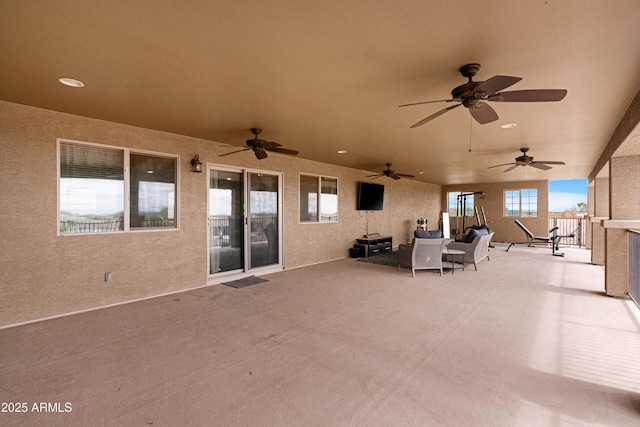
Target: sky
566	194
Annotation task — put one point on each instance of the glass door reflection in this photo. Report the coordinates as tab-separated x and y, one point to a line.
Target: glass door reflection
226	221
264	248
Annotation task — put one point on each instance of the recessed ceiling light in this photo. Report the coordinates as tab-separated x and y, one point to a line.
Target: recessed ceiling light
342	151
70	82
421	173
508	126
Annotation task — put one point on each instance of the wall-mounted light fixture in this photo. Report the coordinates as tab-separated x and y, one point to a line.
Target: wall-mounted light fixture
196	163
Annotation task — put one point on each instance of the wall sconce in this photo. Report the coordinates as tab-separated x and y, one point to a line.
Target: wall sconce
196	163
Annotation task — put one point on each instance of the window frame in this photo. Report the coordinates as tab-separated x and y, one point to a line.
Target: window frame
521	203
319	179
127	152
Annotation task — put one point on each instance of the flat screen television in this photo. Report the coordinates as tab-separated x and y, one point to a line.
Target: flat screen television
370	196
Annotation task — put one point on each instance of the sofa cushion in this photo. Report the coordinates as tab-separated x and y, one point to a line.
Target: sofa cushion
431	234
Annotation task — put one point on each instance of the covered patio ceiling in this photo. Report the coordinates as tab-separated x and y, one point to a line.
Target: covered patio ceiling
319	77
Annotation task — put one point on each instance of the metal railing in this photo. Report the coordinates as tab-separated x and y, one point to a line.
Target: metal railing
634	266
220	229
223	228
106	225
568	227
97	226
157	222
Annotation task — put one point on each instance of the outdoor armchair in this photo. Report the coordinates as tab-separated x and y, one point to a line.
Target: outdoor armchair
422	254
475	251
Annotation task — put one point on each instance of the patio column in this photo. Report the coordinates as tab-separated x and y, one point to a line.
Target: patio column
624	208
601	212
587	238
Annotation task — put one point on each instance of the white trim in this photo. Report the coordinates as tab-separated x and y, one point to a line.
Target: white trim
316	263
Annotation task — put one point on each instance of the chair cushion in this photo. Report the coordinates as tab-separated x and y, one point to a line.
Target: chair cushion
431	234
476	232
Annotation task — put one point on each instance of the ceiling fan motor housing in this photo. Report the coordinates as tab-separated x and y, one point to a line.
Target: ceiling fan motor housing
524	159
465	91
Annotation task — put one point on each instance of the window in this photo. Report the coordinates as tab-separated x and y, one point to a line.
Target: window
152	191
455	208
93	195
521	203
318	199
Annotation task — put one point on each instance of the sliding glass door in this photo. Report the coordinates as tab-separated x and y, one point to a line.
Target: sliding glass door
226	221
263	220
244	213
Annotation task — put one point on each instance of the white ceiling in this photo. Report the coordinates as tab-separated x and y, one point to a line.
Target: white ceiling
320	76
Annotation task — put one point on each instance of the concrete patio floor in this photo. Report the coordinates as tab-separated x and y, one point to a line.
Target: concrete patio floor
527	340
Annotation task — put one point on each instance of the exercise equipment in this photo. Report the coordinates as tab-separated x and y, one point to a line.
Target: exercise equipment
553	238
461	210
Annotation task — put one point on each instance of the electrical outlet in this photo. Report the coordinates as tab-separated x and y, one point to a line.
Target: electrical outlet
108	277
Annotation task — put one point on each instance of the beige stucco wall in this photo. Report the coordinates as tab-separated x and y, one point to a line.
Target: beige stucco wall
504	228
43	274
404	201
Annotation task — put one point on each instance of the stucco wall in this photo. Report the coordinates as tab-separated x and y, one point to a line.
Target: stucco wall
504	227
43	274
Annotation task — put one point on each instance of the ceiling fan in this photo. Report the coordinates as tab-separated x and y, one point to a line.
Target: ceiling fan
525	160
260	146
474	94
390	173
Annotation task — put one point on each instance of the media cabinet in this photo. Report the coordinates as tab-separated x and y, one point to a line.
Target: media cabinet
368	246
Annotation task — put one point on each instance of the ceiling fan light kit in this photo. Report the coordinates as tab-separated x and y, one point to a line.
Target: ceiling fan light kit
474	95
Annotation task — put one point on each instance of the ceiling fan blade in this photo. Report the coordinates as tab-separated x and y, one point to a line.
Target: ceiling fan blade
539	165
483	113
549	163
394	176
511	168
428	102
260	153
404	175
496	84
282	150
434	115
534	95
270	145
233	152
377	175
504	164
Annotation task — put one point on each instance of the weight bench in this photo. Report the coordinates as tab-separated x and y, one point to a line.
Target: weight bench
531	239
